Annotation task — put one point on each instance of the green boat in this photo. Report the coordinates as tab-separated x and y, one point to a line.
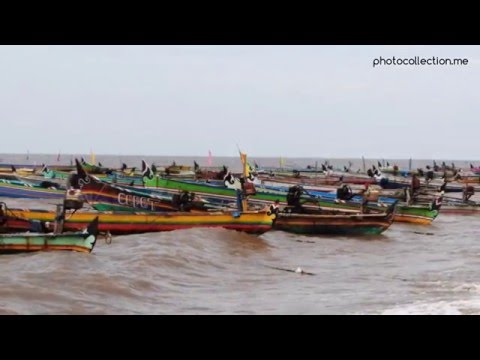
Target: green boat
71	241
207	191
415	214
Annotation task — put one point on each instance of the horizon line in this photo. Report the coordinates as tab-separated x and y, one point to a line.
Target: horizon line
251	156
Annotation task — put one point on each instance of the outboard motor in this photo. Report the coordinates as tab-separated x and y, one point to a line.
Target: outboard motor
383	182
429	175
73	181
344	193
49	185
73	200
293	196
183	201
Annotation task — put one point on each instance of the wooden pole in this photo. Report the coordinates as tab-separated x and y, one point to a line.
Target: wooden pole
244	198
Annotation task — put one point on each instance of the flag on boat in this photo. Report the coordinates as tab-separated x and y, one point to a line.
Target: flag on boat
146	170
92	157
243	158
247	169
209	161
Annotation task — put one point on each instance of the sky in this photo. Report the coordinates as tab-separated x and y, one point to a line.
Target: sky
292	101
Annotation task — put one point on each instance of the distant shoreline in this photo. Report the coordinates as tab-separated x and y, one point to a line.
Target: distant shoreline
252	156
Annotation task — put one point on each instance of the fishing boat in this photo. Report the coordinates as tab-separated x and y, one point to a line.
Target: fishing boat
114	177
82	241
132	221
104	196
12	224
417	214
14	189
422	214
334	224
461	209
225	194
465	206
253	222
107	197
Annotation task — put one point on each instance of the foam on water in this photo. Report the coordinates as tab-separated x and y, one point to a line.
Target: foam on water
459	307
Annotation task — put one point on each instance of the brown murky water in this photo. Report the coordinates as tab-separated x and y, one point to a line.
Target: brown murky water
409	269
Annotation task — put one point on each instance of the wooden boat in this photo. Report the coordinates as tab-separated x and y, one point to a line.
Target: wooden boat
334	224
455	206
461	209
104	196
114	177
10	223
17	170
28	180
223	194
83	241
416	214
254	222
28	191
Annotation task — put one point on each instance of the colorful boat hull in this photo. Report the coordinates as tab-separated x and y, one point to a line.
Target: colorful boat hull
415	214
29	192
132	223
356	224
26	242
221	194
461	209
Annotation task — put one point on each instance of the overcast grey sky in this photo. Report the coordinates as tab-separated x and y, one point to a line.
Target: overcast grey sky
297	101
